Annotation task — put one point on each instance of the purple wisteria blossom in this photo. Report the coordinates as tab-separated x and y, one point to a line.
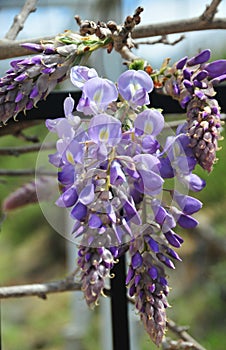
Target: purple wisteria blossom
97	94
192	83
95	265
148	285
80	75
149	122
98	181
113	173
31	79
134	87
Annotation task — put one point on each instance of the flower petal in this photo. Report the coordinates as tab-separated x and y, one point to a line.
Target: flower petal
68	198
188	204
80	75
86	196
79	211
150	122
104	128
134	85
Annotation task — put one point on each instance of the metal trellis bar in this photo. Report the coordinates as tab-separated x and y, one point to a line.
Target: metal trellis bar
119	307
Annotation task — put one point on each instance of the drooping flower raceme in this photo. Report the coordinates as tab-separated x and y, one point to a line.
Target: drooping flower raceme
31	79
192	83
113	175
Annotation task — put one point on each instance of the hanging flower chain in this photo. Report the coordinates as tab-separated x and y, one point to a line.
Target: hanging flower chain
113	175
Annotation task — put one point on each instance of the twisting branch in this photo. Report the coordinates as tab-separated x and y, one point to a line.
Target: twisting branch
180	26
39	289
206	21
68	284
19	20
203	22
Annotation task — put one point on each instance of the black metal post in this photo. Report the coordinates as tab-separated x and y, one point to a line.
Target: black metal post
119	308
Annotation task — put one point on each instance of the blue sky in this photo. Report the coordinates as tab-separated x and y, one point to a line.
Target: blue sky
164	11
45	21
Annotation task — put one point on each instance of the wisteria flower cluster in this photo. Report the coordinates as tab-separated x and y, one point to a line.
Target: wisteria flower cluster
31	79
192	83
113	173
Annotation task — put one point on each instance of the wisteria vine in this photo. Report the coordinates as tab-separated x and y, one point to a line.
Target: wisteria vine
113	171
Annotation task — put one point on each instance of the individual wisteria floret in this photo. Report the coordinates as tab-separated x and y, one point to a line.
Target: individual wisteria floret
178	160
192	83
134	87
112	175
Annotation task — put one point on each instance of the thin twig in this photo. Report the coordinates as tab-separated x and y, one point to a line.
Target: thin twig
182	333
19	20
163	40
